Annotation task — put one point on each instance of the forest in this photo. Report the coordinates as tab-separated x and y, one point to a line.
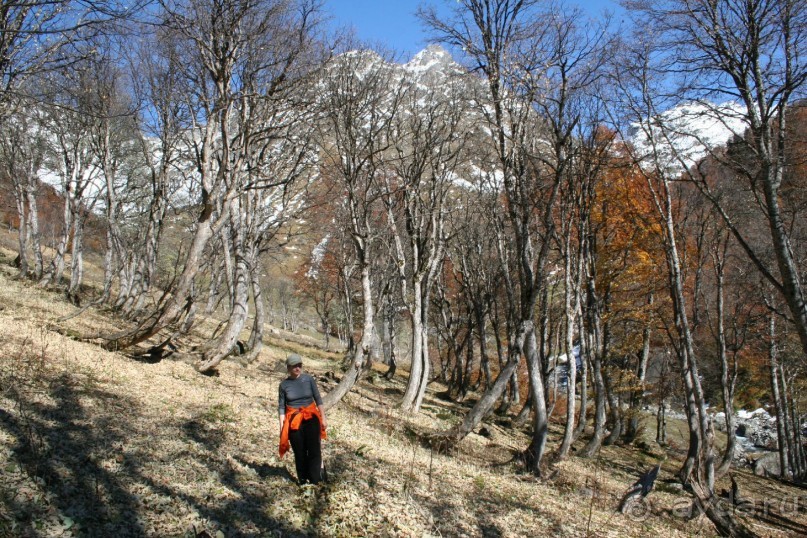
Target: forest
586	228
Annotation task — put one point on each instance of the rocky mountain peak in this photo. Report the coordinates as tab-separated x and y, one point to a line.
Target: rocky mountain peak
432	59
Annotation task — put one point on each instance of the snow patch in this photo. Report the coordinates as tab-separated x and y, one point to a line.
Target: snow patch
679	138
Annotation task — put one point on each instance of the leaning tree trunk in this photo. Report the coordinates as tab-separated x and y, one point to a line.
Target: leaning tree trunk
239	301
418	364
540	421
483	406
365	352
174	307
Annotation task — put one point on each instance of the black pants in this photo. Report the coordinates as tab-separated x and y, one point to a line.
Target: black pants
305	443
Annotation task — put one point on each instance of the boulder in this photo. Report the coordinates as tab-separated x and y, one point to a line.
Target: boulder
767	465
765	438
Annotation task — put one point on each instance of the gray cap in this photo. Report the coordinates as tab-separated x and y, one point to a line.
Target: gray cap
293	360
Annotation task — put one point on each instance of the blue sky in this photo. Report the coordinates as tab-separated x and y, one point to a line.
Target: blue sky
392	23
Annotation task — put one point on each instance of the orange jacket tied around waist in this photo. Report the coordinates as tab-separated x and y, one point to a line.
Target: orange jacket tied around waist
295	417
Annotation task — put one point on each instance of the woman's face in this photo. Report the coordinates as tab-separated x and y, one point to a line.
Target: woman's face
294	371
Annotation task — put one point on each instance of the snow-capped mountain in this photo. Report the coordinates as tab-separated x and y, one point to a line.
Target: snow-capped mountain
432	62
678	138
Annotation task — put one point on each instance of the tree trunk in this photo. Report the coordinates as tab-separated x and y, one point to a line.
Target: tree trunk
424	350
571	361
615	409
255	342
699	421
801	464
727	380
786	425
241	281
637	398
367	349
483	406
789	271
33	229
661	423
418	364
540	425
22	231
467	366
56	269
784	459
109	274
175	305
77	261
214	290
581	421
389	339
597	436
484	364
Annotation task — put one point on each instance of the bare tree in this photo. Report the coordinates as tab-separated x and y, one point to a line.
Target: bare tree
274	195
427	154
489	34
158	88
23	147
536	74
242	62
666	192
751	52
361	97
74	163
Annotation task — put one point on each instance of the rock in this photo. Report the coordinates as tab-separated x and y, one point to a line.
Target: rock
719	421
767	465
765	438
756	429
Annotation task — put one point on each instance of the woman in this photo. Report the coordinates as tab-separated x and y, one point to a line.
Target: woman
302	422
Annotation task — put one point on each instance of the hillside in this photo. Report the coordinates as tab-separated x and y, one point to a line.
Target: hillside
95	443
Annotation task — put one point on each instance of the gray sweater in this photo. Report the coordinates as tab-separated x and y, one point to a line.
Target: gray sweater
297	393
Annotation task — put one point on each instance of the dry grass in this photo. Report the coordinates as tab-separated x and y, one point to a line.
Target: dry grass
94	443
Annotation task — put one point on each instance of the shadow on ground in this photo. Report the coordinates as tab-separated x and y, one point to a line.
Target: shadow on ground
70	470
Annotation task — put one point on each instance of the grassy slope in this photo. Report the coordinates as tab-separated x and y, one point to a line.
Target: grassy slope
94	443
